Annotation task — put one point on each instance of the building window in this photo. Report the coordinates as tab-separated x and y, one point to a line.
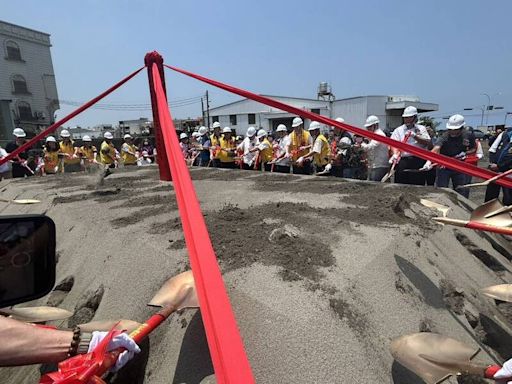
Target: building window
232	119
24	111
19	85
252	118
215	119
315	110
13	51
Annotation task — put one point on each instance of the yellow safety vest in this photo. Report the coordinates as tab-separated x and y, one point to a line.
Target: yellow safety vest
51	161
70	150
226	144
266	155
297	141
88	153
322	158
111	150
128	158
215	142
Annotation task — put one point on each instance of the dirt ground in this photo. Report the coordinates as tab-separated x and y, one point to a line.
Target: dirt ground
322	273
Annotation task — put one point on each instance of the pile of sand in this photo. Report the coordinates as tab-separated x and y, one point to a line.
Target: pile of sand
322	273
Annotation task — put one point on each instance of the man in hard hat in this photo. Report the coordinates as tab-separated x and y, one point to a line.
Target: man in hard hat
416	135
264	150
69	151
246	148
108	153
215	144
227	150
144	160
203	142
457	142
129	151
282	157
320	152
498	150
342	132
299	144
50	163
88	153
23	164
377	152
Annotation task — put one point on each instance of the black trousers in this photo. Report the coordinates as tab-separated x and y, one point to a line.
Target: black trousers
404	177
337	171
493	192
230	164
282	168
306	169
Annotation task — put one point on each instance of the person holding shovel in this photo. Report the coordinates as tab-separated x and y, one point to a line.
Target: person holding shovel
457	143
24	344
282	157
247	148
88	153
129	151
69	150
264	150
321	151
226	153
21	164
215	145
108	152
50	157
299	143
377	152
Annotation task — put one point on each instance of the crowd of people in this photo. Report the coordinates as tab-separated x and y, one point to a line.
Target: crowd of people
293	149
333	152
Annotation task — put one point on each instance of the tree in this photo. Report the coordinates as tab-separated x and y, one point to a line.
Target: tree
428	121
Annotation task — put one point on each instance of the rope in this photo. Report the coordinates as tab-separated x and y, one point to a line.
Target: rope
226	348
448	162
52	128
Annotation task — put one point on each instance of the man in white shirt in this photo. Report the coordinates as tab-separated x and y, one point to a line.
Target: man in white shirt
5	168
377	152
416	135
246	146
282	161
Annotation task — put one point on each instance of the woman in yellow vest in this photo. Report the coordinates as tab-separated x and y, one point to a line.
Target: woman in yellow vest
88	153
69	152
299	143
129	151
265	150
227	150
321	150
108	152
215	145
50	156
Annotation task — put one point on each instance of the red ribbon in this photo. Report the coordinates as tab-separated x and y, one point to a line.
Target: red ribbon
226	348
57	124
448	162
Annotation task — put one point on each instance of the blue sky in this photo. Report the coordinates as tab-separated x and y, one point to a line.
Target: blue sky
446	52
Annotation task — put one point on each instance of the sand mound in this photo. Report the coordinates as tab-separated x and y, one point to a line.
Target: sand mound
322	273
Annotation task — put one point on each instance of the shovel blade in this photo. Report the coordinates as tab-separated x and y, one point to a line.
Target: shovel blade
501	220
501	292
179	291
26	201
432	204
36	314
107	325
407	350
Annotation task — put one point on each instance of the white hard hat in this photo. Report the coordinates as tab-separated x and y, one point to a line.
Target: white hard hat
227	130
261	133
183	135
410	111
216	125
108	135
51	139
86	138
296	122
455	122
251	131
145	153
19	132
195	134
127	136
340	119
314	125
202	131
65	133
371	120
281	128
345	140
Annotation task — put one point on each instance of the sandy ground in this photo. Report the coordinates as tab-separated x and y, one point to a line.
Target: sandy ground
322	273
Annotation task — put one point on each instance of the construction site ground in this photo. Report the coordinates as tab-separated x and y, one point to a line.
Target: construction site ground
322	273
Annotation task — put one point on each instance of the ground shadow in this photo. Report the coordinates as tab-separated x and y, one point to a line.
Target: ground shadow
194	362
402	375
428	290
135	371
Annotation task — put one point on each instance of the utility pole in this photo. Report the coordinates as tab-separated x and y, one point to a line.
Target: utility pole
202	111
208	109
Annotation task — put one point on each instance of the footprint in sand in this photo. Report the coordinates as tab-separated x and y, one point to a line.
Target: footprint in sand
86	307
60	291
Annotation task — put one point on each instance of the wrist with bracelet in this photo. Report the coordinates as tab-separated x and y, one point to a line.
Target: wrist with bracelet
80	342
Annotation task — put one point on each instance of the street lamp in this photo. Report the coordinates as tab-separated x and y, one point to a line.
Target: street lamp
482	108
488	106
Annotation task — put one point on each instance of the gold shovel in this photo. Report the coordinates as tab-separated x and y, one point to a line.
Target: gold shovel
36	314
502	292
435	357
486	182
21	201
432	204
107	325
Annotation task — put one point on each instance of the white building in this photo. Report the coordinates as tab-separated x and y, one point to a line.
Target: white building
244	113
28	92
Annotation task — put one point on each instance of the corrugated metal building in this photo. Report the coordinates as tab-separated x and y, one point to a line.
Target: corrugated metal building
28	92
245	113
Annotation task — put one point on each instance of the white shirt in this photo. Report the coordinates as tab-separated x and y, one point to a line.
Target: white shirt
496	143
142	161
282	148
317	145
246	145
5	167
377	152
420	130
